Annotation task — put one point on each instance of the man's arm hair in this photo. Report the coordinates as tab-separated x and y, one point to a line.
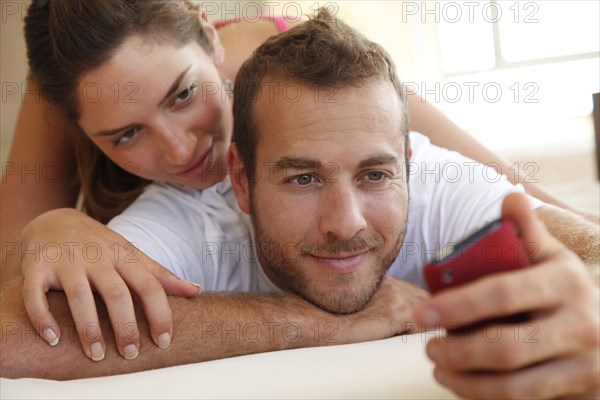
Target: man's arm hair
577	233
211	326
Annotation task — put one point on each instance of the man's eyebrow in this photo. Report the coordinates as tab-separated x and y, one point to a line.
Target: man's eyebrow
379	159
172	89
308	163
296	163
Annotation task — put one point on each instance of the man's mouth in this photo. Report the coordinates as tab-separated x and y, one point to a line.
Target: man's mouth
341	263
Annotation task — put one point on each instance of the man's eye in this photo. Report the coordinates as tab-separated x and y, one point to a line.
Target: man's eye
185	94
303	180
375	176
126	137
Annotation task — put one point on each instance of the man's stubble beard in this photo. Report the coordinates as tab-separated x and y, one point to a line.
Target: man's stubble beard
272	255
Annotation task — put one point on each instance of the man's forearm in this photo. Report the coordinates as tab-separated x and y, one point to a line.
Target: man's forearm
212	326
578	234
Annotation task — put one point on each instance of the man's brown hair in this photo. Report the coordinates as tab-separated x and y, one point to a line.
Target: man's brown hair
322	53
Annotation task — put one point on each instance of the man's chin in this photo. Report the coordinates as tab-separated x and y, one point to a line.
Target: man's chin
342	293
341	303
346	309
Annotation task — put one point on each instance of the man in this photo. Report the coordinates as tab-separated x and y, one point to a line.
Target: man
324	176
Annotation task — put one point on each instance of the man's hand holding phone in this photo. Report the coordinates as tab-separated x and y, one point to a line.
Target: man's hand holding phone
494	248
553	353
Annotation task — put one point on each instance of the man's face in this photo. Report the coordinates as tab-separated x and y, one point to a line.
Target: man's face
329	202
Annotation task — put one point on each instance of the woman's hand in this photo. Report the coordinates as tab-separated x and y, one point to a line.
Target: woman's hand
66	250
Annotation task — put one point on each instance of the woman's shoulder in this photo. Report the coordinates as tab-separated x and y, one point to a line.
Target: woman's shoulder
170	196
240	37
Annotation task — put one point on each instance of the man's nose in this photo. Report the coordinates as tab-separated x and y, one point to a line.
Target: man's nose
178	145
341	211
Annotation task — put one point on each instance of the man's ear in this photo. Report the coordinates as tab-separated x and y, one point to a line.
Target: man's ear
218	54
239	180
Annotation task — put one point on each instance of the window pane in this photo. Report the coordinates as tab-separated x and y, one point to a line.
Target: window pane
540	29
522	106
466	44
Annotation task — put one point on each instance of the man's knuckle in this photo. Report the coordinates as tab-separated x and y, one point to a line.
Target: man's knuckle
591	366
463	358
510	386
505	295
511	390
574	280
510	353
590	330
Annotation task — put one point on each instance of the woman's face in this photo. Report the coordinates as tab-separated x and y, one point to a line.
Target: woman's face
160	112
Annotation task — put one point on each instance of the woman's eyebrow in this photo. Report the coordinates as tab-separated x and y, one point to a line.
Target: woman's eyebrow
174	86
110	132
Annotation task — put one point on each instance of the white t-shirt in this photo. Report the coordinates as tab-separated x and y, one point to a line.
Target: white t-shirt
203	237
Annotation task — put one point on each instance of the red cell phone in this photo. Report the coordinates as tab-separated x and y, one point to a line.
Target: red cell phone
494	248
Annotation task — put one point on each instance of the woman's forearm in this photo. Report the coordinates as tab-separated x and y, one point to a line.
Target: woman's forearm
426	119
39	174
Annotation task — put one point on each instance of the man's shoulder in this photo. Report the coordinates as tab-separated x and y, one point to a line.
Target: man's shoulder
423	151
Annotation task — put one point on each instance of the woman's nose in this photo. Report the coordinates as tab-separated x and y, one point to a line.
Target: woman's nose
178	146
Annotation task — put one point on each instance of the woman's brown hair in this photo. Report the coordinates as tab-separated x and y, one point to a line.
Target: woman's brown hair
69	38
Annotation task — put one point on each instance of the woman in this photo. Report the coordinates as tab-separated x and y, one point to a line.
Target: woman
141	91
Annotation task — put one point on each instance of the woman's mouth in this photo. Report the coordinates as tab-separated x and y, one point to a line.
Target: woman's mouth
201	168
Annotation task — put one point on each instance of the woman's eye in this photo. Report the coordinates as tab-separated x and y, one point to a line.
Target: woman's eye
303	180
126	137
185	94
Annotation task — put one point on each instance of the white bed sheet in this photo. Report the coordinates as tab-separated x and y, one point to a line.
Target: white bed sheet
392	368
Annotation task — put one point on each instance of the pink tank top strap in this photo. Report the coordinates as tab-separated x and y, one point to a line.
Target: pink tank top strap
221	24
279	22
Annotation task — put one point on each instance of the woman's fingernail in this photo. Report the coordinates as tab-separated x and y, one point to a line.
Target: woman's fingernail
97	351
164	341
200	288
130	352
51	336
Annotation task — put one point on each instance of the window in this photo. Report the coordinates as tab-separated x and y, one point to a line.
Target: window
506	34
520	72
